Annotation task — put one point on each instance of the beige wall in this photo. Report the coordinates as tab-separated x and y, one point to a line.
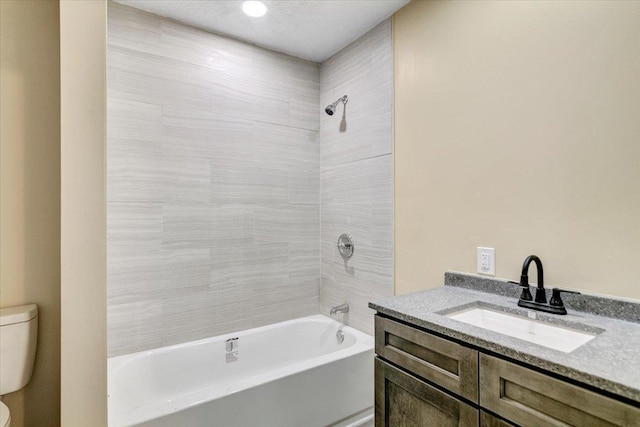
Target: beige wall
30	192
83	226
516	127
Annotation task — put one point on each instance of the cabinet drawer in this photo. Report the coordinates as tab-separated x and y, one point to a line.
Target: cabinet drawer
443	362
533	399
404	401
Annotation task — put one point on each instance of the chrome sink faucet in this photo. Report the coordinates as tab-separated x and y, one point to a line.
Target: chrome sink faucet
342	308
555	306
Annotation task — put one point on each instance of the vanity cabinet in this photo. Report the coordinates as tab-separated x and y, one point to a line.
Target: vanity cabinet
425	380
488	420
438	360
403	400
532	398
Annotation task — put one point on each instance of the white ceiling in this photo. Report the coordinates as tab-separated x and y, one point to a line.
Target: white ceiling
309	29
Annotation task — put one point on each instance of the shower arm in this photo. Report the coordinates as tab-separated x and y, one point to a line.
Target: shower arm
344	100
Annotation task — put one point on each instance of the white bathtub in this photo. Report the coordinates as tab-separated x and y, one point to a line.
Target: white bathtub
293	373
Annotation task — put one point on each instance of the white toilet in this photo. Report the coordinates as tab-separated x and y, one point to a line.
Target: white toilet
18	338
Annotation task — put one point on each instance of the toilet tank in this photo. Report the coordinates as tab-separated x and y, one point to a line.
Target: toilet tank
18	338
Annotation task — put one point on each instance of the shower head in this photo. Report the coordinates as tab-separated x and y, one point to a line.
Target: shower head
331	108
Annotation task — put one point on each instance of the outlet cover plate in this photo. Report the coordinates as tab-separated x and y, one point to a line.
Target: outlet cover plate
486	261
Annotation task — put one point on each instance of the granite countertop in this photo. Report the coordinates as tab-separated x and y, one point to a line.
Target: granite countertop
609	362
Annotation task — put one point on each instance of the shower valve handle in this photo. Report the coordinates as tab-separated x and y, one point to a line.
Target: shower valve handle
345	246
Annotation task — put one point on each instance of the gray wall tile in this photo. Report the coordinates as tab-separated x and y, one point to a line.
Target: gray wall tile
356	176
218	161
213	184
363	71
128	322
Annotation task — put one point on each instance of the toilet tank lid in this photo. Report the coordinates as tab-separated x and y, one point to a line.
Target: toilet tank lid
17	314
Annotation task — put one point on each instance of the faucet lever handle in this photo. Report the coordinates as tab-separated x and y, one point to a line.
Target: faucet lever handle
556	300
526	293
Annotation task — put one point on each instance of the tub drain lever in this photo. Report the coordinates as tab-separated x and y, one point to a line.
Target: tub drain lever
231	346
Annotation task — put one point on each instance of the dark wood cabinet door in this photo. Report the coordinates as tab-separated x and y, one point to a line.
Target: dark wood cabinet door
443	362
405	401
488	420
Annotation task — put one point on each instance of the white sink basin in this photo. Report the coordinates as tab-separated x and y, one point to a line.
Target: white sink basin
535	331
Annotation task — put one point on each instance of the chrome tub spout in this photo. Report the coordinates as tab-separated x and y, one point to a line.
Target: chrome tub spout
342	308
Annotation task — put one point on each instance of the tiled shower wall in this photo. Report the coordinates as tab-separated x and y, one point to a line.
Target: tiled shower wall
213	184
356	174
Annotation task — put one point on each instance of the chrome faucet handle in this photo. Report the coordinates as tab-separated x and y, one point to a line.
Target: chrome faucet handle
556	300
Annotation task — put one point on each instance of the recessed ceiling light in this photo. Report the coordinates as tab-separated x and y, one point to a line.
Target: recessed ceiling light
254	8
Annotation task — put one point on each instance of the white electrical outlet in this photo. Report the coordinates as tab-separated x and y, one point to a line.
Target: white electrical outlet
487	261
